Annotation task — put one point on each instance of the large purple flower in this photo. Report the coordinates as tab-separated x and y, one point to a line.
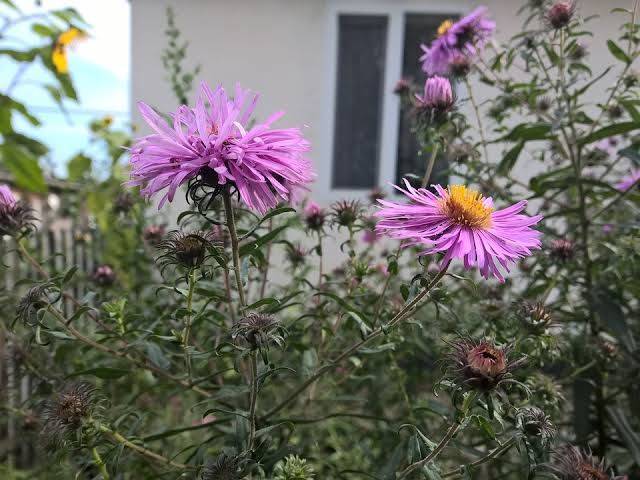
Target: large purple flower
461	223
464	38
214	143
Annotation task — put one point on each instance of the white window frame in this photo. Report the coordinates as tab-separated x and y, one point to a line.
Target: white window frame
395	11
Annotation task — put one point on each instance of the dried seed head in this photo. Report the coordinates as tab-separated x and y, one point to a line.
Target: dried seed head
460	66
153	234
186	250
346	213
572	463
560	14
615	111
480	365
37	297
296	255
543	105
534	316
535	425
461	152
224	467
376	194
258	330
562	249
123	203
578	52
65	413
104	276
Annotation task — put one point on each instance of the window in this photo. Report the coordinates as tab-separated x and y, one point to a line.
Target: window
419	29
362	41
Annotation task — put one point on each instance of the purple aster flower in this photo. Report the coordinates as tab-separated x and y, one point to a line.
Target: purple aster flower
213	146
466	37
438	94
461	223
609	146
629	181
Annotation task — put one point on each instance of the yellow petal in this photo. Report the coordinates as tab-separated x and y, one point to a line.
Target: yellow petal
59	59
70	36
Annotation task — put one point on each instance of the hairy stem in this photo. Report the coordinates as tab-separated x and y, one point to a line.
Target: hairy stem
476	109
235	248
117	438
453	429
100	463
253	399
187	323
495	453
432	161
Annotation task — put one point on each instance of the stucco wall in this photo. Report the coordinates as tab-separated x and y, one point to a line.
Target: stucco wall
285	49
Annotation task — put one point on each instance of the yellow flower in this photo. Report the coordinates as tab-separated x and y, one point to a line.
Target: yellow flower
59	53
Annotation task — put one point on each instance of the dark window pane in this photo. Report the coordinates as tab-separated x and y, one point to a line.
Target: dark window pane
361	54
419	28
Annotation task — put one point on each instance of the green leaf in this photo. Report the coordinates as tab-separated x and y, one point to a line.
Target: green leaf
43	30
78	167
610	131
250	247
103	372
617	52
33	146
157	356
528	131
509	160
24	167
20	56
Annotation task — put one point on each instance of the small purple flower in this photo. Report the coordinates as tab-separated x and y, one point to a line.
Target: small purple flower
437	96
104	275
608	146
461	223
370	237
629	181
314	216
213	143
402	86
465	37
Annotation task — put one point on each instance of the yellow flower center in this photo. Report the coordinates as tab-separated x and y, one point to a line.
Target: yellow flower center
444	27
466	207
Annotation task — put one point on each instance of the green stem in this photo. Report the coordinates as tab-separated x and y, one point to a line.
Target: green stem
432	161
476	109
253	399
116	437
453	429
187	322
231	226
401	315
100	463
495	453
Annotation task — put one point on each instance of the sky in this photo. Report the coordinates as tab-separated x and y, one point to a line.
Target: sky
99	66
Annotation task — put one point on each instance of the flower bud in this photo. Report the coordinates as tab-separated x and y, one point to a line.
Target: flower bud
186	250
438	95
296	255
562	249
153	234
345	213
559	14
225	467
16	218
402	87
293	468
258	330
314	216
480	365
535	425
104	276
534	316
571	462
